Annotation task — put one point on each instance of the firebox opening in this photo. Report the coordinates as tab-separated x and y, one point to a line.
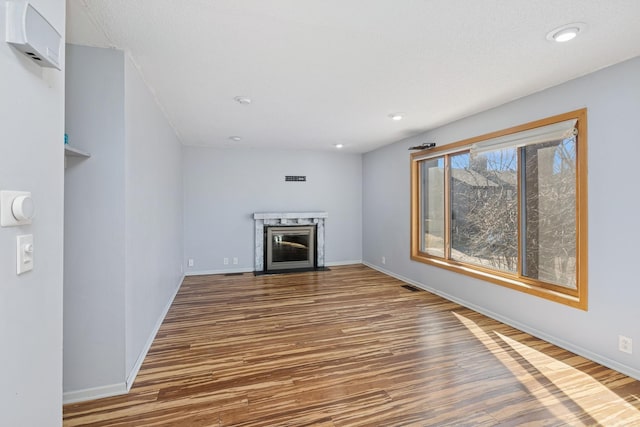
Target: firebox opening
290	248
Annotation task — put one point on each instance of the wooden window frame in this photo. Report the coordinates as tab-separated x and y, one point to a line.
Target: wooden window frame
572	297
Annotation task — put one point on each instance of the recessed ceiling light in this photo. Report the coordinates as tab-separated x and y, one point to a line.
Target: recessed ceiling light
338	145
235	138
566	35
566	32
396	116
242	100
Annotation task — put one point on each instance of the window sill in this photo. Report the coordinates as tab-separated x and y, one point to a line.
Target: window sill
576	301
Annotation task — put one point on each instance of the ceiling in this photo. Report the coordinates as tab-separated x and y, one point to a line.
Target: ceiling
324	72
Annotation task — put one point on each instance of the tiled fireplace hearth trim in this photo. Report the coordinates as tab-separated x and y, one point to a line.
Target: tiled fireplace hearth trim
263	219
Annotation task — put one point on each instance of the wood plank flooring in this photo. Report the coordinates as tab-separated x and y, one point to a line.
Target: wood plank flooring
352	347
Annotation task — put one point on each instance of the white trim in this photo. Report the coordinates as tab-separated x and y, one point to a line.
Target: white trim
598	358
94	393
337	263
208	272
136	367
250	270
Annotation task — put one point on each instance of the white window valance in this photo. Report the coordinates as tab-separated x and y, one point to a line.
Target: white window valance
553	132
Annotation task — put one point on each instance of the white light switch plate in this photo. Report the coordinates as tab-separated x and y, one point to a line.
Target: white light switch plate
24	256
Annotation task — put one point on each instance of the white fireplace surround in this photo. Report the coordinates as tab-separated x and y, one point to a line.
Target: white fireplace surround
263	219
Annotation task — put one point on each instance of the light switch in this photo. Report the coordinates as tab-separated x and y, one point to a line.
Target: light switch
24	254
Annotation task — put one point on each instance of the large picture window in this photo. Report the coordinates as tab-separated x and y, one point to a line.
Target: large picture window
508	207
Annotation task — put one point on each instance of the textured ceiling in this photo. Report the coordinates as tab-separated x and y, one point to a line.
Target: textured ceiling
322	72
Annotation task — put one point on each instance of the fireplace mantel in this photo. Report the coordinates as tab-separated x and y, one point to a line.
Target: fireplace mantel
290	215
263	219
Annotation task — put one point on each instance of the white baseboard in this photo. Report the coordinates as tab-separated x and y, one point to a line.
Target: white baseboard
94	393
251	270
227	271
338	263
598	358
136	367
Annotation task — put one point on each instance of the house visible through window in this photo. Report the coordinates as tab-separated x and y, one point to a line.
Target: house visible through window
508	207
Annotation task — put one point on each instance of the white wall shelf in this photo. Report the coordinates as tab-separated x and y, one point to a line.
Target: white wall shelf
75	152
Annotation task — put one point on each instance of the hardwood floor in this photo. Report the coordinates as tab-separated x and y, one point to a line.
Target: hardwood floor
352	347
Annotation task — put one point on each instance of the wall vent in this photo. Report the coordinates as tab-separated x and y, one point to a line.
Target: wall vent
295	178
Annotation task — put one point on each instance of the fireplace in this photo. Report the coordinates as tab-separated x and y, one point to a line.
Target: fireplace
298	239
290	247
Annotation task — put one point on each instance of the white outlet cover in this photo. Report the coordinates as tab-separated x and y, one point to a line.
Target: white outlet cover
625	344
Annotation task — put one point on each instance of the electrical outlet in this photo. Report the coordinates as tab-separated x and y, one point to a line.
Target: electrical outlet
225	261
190	262
235	260
625	344
384	260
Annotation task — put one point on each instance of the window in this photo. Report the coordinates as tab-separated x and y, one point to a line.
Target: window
508	207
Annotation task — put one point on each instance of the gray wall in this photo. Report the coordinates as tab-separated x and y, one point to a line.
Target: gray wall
612	97
31	159
94	248
123	223
154	241
223	188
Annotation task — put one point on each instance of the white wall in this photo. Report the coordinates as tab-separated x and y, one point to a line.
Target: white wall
94	248
154	241
31	159
612	97
123	237
223	188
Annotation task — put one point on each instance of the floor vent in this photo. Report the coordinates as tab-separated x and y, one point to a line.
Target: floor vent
411	288
234	274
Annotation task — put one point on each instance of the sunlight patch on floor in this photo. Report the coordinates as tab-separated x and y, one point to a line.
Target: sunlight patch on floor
600	403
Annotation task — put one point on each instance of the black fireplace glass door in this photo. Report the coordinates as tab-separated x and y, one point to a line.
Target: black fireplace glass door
289	247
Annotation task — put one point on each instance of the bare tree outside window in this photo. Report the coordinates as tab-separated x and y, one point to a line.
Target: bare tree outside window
508	207
550	194
484	209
